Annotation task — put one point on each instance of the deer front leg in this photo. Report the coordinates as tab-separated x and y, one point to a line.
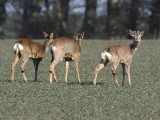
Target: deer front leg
16	59
114	67
22	68
50	76
128	73
67	67
123	72
77	70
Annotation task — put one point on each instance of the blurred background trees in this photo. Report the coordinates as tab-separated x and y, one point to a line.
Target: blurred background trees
3	15
109	19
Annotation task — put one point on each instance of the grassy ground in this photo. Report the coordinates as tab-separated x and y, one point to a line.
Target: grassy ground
59	101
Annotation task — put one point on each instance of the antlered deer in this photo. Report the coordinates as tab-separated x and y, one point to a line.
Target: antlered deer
119	54
30	49
68	49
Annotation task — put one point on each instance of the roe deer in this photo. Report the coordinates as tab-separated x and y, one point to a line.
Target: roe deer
119	54
68	49
30	49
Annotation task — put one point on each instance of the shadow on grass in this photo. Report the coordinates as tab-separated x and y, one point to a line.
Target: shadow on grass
84	83
6	81
20	81
38	81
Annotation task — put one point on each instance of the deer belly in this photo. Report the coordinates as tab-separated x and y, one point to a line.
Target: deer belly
35	56
125	60
69	56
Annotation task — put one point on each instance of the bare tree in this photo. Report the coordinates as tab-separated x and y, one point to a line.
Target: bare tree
60	11
30	7
2	16
90	18
108	18
154	21
134	13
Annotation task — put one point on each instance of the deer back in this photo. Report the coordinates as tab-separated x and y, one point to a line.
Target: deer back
66	46
31	48
119	53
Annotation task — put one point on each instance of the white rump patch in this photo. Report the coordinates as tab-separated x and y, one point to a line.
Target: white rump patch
105	55
17	47
52	48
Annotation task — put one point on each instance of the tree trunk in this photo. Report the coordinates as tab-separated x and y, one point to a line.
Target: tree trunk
108	19
65	10
154	24
134	14
2	17
89	23
25	18
61	9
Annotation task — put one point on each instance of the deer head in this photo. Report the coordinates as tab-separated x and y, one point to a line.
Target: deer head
136	35
48	39
78	37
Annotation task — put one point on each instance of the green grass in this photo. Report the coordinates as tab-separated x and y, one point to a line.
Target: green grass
59	101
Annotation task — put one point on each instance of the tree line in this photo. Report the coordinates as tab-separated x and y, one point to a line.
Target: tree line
29	18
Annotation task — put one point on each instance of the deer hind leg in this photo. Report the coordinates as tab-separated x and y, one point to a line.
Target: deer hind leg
16	59
36	64
77	70
67	67
52	68
22	68
98	68
123	71
52	54
52	72
114	67
128	73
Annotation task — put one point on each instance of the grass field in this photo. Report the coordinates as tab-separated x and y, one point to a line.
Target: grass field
59	101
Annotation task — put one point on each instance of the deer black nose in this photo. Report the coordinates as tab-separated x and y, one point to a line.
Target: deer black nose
137	42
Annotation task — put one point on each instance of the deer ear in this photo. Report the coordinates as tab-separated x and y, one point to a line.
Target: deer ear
45	34
75	34
82	35
51	35
141	33
132	33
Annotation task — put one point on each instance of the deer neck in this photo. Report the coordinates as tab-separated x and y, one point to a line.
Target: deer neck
45	47
78	42
133	47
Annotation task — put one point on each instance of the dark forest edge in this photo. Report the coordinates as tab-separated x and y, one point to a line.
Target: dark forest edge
29	18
